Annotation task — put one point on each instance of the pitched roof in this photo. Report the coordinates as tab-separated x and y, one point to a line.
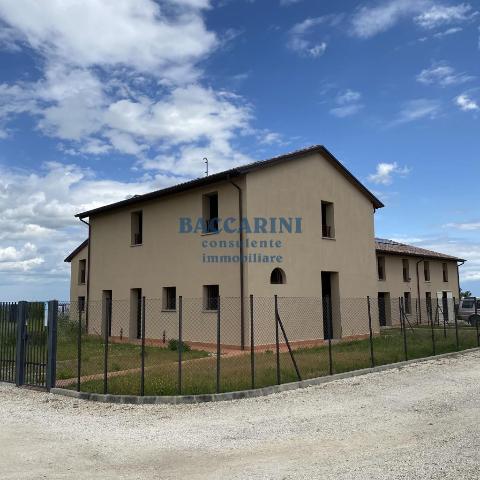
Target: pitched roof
235	172
77	250
383	245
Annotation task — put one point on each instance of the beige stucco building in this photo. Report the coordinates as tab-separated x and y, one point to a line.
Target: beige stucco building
308	234
419	279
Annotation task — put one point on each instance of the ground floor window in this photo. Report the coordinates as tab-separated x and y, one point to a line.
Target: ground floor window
407	301
210	297
169	298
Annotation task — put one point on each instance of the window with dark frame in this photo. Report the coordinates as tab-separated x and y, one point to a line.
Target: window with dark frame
406	270
381	268
407	302
169	298
81	304
445	272
82	271
277	277
210	297
137	228
328	230
426	270
210	212
428	299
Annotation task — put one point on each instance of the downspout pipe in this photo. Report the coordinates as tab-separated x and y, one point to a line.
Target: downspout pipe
242	276
418	292
88	270
459	264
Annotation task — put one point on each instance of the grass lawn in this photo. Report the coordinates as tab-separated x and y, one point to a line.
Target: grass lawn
199	374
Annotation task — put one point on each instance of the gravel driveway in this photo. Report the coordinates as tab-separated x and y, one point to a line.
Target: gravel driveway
421	422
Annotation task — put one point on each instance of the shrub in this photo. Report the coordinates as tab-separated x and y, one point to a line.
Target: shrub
174	344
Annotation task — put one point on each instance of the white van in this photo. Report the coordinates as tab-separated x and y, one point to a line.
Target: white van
466	309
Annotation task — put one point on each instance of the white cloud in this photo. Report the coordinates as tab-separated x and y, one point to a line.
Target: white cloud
298	36
416	110
285	3
143	34
439	15
368	21
467	104
386	171
469	226
449	31
443	75
348	103
372	20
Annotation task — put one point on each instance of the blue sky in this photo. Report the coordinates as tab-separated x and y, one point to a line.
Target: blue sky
100	100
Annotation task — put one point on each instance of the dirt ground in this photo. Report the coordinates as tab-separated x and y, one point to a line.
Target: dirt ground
421	422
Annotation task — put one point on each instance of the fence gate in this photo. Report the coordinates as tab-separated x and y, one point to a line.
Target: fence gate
35	338
28	343
8	340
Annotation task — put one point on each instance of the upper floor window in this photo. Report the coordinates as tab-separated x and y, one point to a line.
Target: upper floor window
137	228
328	226
210	212
381	268
277	277
406	270
210	297
445	272
169	298
426	270
82	271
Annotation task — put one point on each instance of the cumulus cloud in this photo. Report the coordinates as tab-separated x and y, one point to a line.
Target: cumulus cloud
466	103
443	75
385	173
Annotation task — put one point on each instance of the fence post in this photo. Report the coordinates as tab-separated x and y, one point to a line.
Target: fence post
326	304
252	344
142	378
108	312
476	322
180	343
20	351
430	314
52	344
456	330
402	317
79	349
218	344
372	358
277	343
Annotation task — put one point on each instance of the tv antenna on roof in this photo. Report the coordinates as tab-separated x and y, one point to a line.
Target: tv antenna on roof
205	159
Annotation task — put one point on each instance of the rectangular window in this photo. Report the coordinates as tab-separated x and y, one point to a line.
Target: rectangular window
406	270
210	212
107	312
81	304
169	298
210	297
381	268
445	272
82	271
426	271
136	313
407	302
328	229
137	228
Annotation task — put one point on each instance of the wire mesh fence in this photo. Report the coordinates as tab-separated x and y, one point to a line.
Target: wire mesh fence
196	347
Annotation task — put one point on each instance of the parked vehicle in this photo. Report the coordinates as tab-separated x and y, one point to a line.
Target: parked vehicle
466	309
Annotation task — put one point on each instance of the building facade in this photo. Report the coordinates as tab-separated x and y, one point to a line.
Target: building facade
423	282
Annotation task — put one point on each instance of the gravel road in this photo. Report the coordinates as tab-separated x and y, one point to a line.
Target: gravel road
421	422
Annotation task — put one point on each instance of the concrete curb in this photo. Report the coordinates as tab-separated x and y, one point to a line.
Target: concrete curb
259	392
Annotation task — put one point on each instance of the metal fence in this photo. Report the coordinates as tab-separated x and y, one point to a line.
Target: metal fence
144	348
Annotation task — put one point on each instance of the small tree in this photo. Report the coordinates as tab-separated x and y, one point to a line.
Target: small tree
465	293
